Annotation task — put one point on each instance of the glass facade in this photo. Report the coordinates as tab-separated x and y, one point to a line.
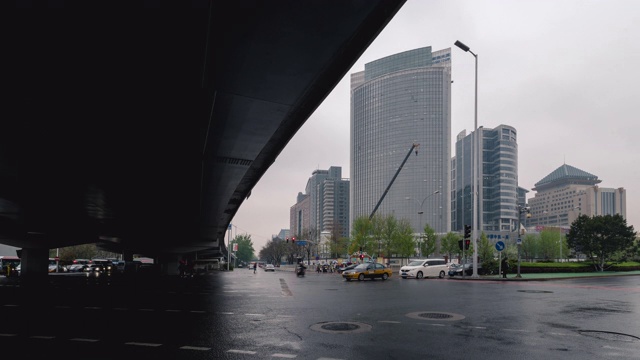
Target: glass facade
398	101
498	194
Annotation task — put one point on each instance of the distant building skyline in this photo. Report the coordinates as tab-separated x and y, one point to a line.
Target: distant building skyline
569	192
397	101
324	207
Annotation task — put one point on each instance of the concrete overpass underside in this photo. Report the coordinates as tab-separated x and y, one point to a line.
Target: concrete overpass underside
144	129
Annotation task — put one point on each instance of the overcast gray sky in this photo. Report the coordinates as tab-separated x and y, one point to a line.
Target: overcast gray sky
564	73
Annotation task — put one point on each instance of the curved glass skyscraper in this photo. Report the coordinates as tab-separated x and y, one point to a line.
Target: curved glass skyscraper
397	101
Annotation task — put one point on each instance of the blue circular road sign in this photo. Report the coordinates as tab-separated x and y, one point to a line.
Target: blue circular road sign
499	246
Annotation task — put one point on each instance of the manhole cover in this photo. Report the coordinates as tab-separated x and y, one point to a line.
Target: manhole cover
341	327
435	315
609	335
536	291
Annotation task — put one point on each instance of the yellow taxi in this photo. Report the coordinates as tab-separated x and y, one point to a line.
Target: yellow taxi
367	271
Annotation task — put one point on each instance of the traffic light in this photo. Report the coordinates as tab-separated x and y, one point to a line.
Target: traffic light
361	256
467	231
467	242
293	239
287	240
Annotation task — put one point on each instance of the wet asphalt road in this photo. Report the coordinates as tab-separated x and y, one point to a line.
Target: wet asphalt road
241	315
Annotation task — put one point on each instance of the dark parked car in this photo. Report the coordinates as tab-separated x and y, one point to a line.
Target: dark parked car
456	270
348	267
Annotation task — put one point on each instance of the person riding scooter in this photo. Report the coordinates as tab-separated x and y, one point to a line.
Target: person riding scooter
300	268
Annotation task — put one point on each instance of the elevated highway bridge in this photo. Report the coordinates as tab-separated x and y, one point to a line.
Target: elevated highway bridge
144	129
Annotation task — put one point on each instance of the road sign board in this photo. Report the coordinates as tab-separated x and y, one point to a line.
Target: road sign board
301	242
519	241
499	245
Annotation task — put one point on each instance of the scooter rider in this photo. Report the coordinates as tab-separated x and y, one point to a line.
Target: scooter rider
300	269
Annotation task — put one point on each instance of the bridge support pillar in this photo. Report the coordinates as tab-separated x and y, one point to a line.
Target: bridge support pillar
34	264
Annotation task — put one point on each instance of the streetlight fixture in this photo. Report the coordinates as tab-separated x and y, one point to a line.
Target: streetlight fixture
474	155
420	212
521	210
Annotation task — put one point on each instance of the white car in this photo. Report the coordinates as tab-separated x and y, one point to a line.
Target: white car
269	267
419	269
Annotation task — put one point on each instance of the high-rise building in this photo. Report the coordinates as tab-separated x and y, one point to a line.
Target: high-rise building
498	194
569	192
397	101
299	215
323	207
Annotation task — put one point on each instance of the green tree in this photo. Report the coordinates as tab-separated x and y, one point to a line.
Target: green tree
404	243
601	237
548	244
486	255
429	239
529	247
389	235
360	232
449	244
338	245
84	251
273	251
245	251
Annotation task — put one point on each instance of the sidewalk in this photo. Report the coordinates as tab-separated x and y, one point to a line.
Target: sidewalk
548	276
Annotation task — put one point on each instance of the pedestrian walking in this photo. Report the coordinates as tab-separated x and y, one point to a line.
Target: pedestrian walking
505	267
255	266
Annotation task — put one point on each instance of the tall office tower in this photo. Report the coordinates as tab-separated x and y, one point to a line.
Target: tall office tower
498	194
397	101
323	207
569	192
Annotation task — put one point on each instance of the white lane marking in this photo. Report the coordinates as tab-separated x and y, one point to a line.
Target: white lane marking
142	344
474	327
287	356
85	340
42	337
389	322
11	305
224	313
197	311
285	316
518	330
195	348
241	352
254	314
323	358
423	323
615	348
8	334
563	334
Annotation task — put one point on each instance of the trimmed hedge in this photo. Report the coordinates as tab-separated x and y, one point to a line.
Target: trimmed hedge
536	268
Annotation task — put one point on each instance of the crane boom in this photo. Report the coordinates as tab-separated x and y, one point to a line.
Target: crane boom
413	146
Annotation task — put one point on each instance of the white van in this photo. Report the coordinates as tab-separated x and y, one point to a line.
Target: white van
424	268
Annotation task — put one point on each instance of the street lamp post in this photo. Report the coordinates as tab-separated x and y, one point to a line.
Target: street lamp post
521	210
474	155
420	212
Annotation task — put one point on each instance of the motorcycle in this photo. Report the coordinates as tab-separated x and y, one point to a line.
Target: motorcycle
300	271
